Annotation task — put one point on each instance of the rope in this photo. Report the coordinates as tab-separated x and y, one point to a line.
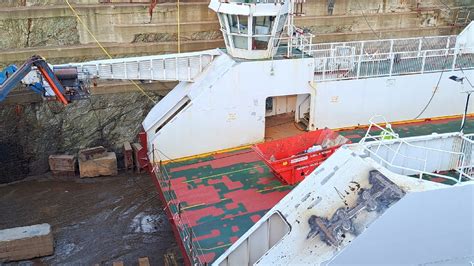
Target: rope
179	30
367	22
434	91
103	48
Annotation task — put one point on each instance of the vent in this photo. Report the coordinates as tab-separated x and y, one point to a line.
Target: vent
173	112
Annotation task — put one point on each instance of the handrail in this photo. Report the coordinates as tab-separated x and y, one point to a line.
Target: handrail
180	219
462	154
389	64
299	106
421	173
377	58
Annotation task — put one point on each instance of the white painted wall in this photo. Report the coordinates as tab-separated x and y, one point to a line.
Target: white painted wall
465	40
352	102
227	106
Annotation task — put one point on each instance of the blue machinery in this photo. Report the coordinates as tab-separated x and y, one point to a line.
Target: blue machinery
36	74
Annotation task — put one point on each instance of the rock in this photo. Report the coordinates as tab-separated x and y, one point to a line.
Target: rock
103	166
30	133
34	32
22	243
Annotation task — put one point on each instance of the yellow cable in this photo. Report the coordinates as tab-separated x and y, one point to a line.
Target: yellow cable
221	246
179	31
102	47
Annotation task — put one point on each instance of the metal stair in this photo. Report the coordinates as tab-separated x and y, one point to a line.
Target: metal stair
171	67
305	120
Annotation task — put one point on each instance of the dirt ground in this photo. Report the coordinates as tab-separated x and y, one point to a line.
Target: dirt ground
99	220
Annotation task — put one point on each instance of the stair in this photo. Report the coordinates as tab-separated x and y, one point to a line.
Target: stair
305	120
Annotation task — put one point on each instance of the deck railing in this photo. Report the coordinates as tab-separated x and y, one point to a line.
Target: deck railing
467	148
365	59
193	248
424	157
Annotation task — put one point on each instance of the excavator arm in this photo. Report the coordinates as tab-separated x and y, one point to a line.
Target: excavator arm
12	76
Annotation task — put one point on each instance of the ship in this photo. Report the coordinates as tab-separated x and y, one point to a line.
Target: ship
282	150
383	199
380	200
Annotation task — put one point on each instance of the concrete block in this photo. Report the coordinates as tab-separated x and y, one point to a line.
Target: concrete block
22	243
137	153
127	156
103	166
92	153
62	164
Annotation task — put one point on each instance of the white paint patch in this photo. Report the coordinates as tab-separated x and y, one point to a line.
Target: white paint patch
145	223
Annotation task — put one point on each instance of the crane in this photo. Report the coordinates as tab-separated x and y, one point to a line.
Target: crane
61	83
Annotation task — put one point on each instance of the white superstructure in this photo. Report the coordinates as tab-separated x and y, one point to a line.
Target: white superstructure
340	85
251	29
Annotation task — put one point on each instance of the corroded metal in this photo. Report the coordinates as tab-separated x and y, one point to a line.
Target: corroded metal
381	195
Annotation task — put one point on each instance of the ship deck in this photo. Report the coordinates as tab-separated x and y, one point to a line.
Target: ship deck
213	200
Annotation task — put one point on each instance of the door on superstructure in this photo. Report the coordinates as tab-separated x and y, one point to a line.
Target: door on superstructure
286	115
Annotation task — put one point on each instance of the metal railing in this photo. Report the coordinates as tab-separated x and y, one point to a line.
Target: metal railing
175	67
404	157
181	221
467	148
364	59
301	41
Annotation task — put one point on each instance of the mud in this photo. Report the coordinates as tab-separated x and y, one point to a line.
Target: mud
98	220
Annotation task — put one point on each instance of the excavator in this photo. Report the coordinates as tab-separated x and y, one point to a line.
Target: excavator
71	81
60	83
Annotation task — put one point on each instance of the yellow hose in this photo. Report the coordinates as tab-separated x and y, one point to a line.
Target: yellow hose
103	48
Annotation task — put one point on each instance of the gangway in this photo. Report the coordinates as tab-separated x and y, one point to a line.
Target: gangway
172	67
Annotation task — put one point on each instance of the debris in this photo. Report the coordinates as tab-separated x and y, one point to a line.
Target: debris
26	242
62	165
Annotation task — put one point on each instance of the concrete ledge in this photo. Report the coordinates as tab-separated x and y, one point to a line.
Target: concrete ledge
92	51
26	242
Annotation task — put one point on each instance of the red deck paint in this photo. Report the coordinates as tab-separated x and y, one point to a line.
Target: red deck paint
239	190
